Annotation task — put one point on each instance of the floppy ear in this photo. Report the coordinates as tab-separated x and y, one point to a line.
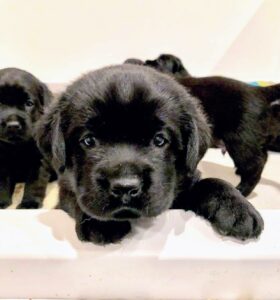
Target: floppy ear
192	147
197	137
45	96
178	68
151	63
50	139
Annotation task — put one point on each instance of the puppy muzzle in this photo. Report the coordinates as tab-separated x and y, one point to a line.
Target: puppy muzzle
14	128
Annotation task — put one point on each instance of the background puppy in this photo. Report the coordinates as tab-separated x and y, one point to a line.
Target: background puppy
126	141
274	144
168	63
134	61
22	101
246	118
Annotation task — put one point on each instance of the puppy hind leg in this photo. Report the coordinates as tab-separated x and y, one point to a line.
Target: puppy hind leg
226	209
249	161
251	175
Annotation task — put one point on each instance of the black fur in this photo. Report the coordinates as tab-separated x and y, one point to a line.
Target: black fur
22	101
246	118
134	61
168	63
126	141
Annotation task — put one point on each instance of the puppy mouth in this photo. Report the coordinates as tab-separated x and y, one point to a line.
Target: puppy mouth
14	139
126	213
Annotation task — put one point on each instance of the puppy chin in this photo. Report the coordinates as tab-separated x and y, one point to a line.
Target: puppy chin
126	214
121	214
15	138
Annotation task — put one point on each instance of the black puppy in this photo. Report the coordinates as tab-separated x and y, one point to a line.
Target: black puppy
22	101
274	144
126	141
168	63
246	118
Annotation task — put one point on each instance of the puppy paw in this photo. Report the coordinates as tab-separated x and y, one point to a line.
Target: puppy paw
102	233
227	210
30	203
240	220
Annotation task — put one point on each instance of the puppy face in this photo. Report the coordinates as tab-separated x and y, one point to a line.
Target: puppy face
126	164
124	137
169	64
22	98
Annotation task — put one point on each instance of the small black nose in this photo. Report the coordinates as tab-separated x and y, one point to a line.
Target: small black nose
125	188
13	126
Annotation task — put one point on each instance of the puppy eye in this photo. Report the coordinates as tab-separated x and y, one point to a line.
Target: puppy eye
88	141
29	103
160	140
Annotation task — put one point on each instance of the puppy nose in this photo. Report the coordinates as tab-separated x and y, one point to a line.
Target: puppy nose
125	188
13	125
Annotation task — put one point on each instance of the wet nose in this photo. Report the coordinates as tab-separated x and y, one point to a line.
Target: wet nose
13	126
125	188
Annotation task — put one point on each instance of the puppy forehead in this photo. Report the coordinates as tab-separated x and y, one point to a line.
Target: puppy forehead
13	95
115	118
121	99
124	81
125	101
121	113
20	79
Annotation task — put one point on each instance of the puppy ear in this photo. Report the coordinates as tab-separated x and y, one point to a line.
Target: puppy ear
151	63
178	68
197	136
50	139
192	147
44	95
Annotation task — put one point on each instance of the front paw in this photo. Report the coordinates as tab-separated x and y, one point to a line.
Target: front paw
240	220
101	232
227	210
30	203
